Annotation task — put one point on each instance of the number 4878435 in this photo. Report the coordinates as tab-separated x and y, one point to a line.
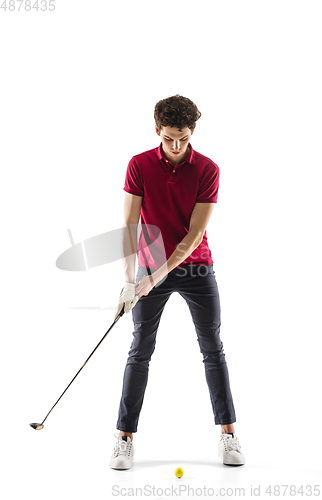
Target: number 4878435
27	5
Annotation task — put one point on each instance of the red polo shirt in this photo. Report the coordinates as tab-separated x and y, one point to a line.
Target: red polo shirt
169	194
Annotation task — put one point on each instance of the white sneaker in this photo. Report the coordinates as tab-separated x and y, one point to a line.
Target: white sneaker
230	451
123	453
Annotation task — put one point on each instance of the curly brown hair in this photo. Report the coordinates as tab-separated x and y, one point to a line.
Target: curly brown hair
176	111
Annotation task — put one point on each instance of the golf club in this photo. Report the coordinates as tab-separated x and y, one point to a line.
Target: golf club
38	427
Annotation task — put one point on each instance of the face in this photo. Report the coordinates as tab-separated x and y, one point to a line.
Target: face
175	143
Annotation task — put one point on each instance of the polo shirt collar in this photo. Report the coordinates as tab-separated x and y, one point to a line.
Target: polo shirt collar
190	159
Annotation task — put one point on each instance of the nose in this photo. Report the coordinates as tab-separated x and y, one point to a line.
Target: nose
176	146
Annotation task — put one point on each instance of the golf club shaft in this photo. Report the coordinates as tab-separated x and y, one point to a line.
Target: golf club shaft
116	319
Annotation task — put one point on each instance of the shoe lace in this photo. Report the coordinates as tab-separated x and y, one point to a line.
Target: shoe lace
122	447
231	443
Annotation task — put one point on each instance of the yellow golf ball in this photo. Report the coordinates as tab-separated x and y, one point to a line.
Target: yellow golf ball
179	472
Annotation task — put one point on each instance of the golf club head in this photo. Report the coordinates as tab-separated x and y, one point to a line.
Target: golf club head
37	427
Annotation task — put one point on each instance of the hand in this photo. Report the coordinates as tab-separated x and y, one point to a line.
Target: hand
144	286
127	297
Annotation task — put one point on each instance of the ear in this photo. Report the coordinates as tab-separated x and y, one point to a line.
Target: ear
157	130
192	131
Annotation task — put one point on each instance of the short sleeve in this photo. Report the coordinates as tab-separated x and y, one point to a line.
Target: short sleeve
133	179
209	185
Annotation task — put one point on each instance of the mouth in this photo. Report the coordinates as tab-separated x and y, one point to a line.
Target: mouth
174	153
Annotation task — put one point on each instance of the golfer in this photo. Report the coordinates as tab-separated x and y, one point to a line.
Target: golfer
173	188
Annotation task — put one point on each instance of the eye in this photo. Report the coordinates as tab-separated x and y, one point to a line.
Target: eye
181	139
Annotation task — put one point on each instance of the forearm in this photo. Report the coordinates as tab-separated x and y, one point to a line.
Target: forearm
187	245
129	249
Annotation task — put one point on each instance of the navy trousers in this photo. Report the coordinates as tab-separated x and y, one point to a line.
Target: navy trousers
197	285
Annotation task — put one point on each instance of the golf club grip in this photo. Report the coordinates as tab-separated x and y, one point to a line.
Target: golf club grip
123	308
136	295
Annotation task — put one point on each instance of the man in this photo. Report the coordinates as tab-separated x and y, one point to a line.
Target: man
173	188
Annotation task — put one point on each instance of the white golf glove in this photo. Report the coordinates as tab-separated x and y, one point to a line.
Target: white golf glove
127	297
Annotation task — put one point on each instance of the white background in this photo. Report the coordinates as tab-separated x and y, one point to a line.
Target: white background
78	90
